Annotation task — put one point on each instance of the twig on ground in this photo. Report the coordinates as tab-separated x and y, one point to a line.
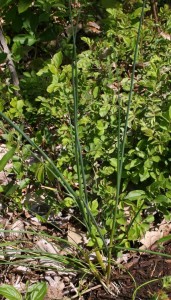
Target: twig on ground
88	290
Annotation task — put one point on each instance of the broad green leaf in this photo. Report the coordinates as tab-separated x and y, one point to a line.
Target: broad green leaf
135	195
68	201
156	158
99	242
125	84
24	183
90	243
84	120
114	162
168	185
17	165
148	132
87	40
148	163
52	69
57	59
133	163
168	194
145	175
5	159
136	13
20	104
42	71
94	205
104	110
9	292
149	219
25	38
101	126
109	222
122	221
107	170
134	233
23	5
162	199
51	88
37	291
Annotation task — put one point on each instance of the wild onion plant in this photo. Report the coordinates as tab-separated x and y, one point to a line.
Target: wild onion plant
81	198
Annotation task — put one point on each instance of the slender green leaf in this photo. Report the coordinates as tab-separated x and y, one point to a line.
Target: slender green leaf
9	292
5	159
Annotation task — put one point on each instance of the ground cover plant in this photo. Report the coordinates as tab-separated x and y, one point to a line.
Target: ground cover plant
86	119
36	291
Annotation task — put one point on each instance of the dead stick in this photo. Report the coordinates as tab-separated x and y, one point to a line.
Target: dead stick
154	9
155	13
10	63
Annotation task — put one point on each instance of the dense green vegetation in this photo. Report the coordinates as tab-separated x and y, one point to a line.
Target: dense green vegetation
41	37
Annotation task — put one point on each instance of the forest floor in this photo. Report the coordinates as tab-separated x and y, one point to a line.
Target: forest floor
27	266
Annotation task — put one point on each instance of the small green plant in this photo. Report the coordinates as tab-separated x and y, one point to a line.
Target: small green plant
36	291
162	293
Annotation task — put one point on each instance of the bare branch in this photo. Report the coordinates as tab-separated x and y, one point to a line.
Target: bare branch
10	63
155	13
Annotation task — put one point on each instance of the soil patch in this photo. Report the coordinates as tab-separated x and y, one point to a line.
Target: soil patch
140	270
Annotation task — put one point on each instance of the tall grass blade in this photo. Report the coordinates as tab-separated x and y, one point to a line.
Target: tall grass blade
75	97
78	151
120	159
